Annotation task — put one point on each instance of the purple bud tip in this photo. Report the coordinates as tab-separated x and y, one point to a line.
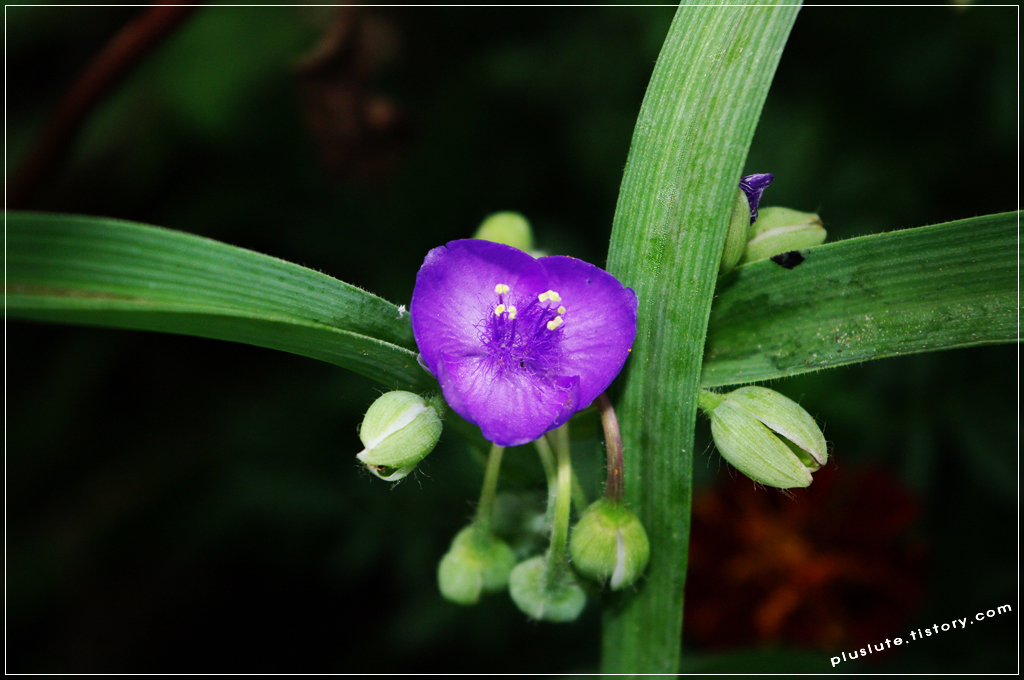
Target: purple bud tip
753	186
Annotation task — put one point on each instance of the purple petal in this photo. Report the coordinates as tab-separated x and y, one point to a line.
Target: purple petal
517	344
600	323
455	290
753	186
510	408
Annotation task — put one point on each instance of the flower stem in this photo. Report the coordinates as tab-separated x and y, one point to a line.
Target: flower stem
486	507
613	445
708	400
547	459
557	556
579	496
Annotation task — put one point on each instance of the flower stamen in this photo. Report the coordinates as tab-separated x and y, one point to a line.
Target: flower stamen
554	323
501	289
549	295
499	310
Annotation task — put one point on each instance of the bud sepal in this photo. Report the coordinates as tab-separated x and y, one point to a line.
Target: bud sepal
609	544
766	436
510	228
781	230
546	590
477	562
398	431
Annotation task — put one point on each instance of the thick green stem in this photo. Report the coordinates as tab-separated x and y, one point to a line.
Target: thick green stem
685	161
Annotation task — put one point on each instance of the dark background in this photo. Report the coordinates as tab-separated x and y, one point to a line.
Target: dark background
180	504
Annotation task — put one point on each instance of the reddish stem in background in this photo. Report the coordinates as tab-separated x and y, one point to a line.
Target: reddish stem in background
102	74
613	489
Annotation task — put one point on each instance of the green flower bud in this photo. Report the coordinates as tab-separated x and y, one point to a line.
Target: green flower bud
477	562
509	228
766	436
781	230
739	232
545	596
398	431
609	542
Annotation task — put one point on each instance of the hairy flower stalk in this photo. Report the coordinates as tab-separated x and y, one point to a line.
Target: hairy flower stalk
609	542
613	445
547	461
557	556
544	587
485	509
477	561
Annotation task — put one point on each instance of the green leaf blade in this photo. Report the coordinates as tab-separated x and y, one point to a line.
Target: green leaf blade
684	166
937	287
86	270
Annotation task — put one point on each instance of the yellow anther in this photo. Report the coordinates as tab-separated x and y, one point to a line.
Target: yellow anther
550	295
501	289
511	311
554	323
498	310
561	310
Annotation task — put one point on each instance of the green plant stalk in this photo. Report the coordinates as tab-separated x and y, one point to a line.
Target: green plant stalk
613	449
708	400
691	139
485	509
557	558
562	439
547	460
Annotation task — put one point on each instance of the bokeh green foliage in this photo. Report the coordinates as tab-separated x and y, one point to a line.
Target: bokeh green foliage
182	504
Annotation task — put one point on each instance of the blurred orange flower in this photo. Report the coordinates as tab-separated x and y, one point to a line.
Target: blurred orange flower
820	567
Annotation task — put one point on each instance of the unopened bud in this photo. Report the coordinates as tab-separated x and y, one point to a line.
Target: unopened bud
544	596
766	436
398	431
509	228
609	543
782	230
477	562
739	231
744	213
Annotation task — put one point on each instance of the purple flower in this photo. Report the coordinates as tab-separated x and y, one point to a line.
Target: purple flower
519	345
753	186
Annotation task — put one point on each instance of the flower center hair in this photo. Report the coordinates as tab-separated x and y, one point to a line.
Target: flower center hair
524	333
